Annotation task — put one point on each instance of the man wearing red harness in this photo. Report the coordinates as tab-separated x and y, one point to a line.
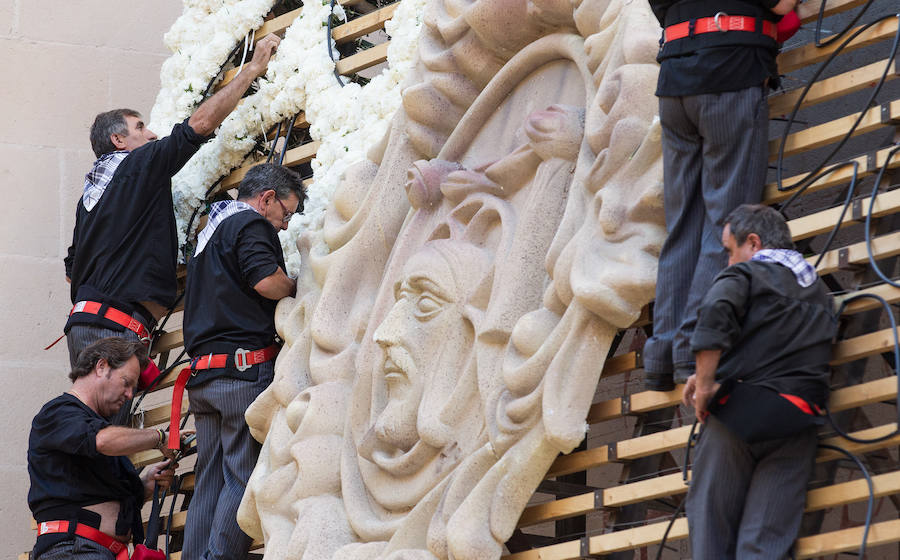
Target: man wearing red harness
717	62
235	279
121	263
85	494
763	344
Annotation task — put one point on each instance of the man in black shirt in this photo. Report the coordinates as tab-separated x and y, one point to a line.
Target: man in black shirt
85	494
762	345
124	248
717	60
235	279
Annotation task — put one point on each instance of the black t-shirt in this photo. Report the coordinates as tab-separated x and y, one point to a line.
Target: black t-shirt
715	62
222	311
124	250
67	472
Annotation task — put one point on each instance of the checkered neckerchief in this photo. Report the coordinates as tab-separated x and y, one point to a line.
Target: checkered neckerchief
218	211
98	178
803	271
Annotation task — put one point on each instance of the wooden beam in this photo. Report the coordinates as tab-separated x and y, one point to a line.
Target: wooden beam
161	414
362	60
824	221
373	21
294	156
795	59
169	341
882	247
886	291
830	88
832	131
847	539
808	11
862	346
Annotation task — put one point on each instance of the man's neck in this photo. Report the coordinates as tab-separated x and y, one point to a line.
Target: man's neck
82	392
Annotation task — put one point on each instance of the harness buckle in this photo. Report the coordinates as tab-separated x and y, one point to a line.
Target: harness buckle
716	20
242	359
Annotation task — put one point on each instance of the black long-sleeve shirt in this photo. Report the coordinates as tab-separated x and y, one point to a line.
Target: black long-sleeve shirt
772	332
124	251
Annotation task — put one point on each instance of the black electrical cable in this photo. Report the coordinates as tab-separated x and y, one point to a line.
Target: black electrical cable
691	441
157	379
896	352
274	143
287	138
222	67
821	14
869	103
328	39
871	501
874	195
176	488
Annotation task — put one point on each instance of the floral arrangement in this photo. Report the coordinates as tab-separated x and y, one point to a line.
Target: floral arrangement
346	120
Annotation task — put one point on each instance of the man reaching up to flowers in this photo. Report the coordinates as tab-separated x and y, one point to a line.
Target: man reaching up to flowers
121	264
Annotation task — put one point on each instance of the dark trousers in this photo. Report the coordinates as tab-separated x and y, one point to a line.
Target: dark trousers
80	548
714	159
746	500
226	456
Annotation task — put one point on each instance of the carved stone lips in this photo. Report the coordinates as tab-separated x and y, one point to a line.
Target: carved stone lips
392	371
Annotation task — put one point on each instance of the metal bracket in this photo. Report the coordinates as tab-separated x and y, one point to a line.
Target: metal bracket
611	454
585	548
887	117
844	258
598	499
626	405
856	210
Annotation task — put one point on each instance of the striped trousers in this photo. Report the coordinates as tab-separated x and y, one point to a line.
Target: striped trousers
714	159
746	500
226	455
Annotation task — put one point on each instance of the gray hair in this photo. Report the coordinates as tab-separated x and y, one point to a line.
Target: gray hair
270	176
116	351
105	125
762	220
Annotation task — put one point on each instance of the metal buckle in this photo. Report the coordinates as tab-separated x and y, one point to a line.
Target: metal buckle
244	355
716	20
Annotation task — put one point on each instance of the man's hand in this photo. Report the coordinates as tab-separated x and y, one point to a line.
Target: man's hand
162	473
262	52
698	394
784	6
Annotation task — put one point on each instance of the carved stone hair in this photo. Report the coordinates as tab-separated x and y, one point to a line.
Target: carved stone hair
105	125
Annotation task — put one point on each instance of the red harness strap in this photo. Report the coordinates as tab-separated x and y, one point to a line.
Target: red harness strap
718	23
116	316
116	547
243	359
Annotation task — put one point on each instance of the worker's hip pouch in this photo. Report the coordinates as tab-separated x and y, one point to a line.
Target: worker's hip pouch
755	413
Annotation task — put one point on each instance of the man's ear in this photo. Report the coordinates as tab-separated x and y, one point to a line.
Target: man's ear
754	241
102	368
117	141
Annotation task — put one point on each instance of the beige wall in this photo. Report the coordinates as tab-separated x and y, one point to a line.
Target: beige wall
63	62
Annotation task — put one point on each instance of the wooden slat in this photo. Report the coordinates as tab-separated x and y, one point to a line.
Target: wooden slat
886	291
160	414
294	156
823	222
832	131
795	59
362	60
852	491
169	341
830	88
363	25
882	247
808	11
847	539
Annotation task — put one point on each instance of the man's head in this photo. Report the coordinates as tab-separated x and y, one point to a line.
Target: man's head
275	191
753	227
107	372
119	129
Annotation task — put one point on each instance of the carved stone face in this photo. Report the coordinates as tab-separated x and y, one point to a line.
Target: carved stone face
427	331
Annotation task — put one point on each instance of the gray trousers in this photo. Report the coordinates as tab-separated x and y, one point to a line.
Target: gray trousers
80	548
714	159
746	500
226	455
82	336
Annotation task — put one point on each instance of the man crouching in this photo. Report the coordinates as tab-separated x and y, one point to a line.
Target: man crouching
85	494
762	345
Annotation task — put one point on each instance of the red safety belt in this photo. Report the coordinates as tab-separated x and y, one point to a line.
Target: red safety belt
116	547
243	359
114	315
718	24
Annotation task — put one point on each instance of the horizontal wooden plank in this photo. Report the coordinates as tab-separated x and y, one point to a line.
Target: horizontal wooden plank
882	247
294	156
847	540
832	131
823	222
886	291
808	11
795	59
161	414
169	341
852	491
830	88
362	60
363	25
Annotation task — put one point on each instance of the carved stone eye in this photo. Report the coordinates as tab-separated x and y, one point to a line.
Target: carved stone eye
427	306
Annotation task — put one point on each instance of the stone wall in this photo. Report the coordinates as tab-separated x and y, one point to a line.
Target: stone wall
63	63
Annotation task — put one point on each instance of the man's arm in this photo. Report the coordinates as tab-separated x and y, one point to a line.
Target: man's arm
210	114
276	286
119	440
784	6
704	384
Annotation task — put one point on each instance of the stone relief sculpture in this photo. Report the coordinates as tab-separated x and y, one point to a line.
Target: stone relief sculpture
454	313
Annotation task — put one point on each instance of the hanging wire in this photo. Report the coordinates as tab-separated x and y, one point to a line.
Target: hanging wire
821	14
875	191
328	40
287	138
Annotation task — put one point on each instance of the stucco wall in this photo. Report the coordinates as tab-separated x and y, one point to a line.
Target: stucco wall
63	63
